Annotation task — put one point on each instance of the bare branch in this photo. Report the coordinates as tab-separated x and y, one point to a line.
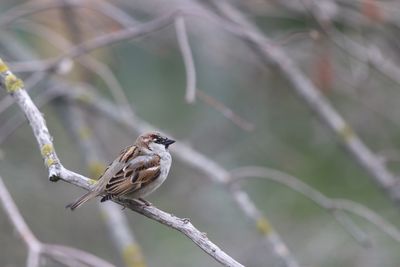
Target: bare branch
101	41
113	216
75	255
96	66
225	111
35	248
331	205
317	102
31	8
196	160
15	87
186	52
16	218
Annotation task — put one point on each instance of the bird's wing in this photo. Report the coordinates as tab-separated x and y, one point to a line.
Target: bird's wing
125	155
131	172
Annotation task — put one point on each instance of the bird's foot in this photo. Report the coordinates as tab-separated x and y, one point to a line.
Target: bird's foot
145	202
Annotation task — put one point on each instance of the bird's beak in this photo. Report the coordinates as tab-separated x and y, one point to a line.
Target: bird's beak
168	142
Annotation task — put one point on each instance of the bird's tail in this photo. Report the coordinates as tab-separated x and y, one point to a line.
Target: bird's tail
83	199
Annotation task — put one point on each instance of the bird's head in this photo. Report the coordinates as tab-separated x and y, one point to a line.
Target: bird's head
154	141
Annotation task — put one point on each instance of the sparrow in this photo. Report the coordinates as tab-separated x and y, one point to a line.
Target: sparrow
138	170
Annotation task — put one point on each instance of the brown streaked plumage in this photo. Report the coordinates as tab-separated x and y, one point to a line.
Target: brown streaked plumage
136	172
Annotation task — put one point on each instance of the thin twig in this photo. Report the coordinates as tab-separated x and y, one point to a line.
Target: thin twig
31	8
383	177
14	86
74	254
98	42
329	204
16	219
36	249
225	111
186	52
96	66
196	160
113	216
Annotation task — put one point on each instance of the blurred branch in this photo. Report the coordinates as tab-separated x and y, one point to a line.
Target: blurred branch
98	42
34	7
225	111
186	52
73	121
368	54
16	120
316	101
91	63
196	160
20	225
329	204
261	221
113	216
35	248
15	87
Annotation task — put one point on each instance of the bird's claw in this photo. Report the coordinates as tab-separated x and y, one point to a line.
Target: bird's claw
145	202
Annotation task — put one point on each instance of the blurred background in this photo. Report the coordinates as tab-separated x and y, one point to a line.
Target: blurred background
246	113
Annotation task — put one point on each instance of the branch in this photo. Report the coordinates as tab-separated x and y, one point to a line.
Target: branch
98	42
329	204
186	52
14	86
114	218
20	225
225	111
195	159
91	63
316	101
35	247
31	8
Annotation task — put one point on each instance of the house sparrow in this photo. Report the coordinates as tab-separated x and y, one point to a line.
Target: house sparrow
136	172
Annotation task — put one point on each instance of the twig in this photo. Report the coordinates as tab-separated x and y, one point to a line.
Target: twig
317	102
78	255
225	111
113	216
329	204
98	42
35	247
31	8
15	87
20	225
198	161
96	66
17	119
186	52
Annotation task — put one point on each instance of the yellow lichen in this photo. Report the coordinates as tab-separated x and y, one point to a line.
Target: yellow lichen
346	132
46	150
92	182
49	162
13	84
133	257
263	226
3	66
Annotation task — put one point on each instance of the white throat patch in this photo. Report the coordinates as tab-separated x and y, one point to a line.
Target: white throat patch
157	148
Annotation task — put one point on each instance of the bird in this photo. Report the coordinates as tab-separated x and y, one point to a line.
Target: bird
138	170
